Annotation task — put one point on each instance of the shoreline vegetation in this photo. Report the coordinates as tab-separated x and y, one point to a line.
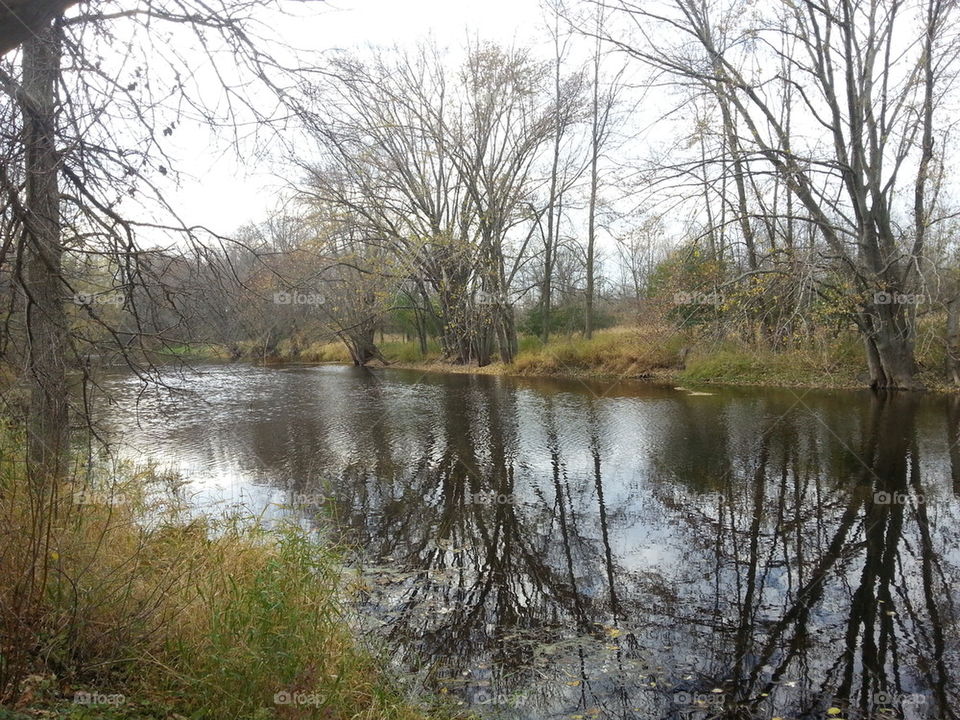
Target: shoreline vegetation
655	354
124	604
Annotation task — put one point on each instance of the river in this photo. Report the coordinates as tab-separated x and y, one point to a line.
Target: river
564	549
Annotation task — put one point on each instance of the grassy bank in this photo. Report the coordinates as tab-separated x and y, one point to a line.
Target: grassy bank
824	360
666	355
115	603
662	353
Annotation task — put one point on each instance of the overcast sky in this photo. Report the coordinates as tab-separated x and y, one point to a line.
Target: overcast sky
217	192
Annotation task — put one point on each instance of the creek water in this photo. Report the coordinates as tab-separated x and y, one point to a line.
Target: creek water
566	549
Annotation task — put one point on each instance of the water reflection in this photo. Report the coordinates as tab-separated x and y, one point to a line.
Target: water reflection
558	549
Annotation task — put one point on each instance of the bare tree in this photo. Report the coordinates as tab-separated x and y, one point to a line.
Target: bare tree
601	108
436	168
82	189
84	174
860	71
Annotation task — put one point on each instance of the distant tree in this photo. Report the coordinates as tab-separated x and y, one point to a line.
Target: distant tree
436	166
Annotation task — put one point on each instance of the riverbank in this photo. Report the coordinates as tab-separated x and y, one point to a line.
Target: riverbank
662	354
678	358
654	353
119	602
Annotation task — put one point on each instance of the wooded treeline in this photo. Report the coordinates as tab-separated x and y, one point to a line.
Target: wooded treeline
793	180
769	172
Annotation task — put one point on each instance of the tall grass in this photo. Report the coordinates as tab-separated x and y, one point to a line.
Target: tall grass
408	351
625	352
333	352
127	594
826	360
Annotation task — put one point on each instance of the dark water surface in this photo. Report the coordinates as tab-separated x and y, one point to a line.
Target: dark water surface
558	549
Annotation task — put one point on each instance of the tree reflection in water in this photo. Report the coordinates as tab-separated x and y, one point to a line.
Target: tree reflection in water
763	557
558	549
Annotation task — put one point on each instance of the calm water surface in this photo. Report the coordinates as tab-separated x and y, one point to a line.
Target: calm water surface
558	549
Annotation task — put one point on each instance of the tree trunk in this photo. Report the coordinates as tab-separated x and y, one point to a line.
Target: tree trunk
953	339
594	183
546	289
553	217
486	317
422	334
21	19
889	341
48	434
506	333
361	344
453	325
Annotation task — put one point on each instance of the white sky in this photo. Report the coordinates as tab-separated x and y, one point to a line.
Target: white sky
216	191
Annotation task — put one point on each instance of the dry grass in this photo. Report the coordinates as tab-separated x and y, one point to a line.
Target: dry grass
120	590
623	352
655	351
325	352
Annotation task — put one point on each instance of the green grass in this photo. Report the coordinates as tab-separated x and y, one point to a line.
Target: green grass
830	362
203	617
